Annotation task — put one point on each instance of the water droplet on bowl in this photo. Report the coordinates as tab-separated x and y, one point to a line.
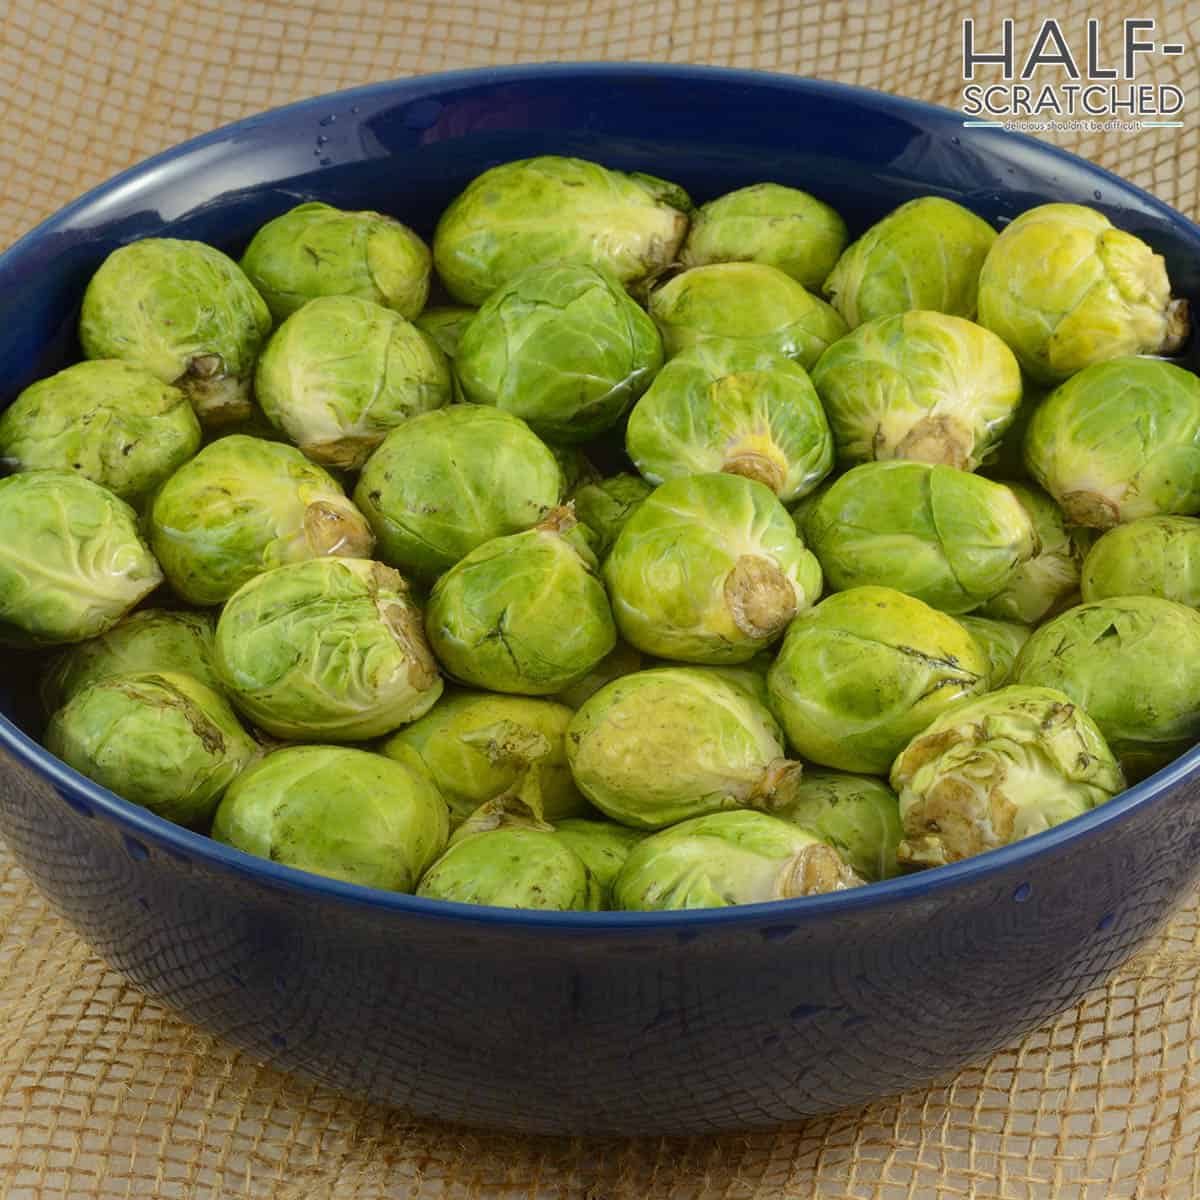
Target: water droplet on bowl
1097	195
322	139
329	120
1022	893
135	849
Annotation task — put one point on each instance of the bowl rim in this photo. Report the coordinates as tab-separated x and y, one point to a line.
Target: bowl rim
182	843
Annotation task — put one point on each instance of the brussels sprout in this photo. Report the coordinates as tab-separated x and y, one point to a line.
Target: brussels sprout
1118	441
1129	662
152	640
525	614
997	769
925	254
864	671
478	747
445	325
768	223
326	650
622	659
603	846
709	569
317	250
1153	556
725	859
561	346
337	812
605	506
919	385
577	469
659	746
728	407
243	506
858	815
161	740
1000	641
72	562
185	312
743	304
1047	582
115	423
557	210
941	535
341	373
1065	289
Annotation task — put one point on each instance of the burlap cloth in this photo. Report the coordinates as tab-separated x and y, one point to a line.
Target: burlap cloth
105	1094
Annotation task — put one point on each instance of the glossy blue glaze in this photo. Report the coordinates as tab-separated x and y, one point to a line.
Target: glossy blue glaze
632	1023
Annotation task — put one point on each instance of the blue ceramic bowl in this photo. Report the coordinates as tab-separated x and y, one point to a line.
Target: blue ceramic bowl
580	1022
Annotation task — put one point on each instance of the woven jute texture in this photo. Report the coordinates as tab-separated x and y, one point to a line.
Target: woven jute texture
104	1094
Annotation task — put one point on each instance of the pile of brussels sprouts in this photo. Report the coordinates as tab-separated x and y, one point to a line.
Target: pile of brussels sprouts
891	560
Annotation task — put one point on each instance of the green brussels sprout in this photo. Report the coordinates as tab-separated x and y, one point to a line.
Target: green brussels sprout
477	747
326	650
333	811
445	482
925	254
744	304
72	562
1129	662
160	740
563	347
603	847
864	671
1153	556
1065	290
1118	441
622	659
114	423
557	210
728	858
659	746
768	223
605	506
341	373
185	312
1047	582
944	536
997	769
445	324
727	407
150	641
1000	641
858	815
243	506
317	250
919	385
524	614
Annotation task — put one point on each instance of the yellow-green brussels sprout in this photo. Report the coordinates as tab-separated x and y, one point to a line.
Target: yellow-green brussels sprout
1066	289
557	210
997	769
768	223
728	858
525	614
341	373
603	846
185	312
864	671
919	385
1153	556
152	640
606	505
163	741
333	811
622	659
478	747
750	305
1128	661
72	562
326	650
1118	441
445	324
709	569
1001	642
114	423
925	254
243	506
726	407
944	536
659	746
317	250
563	347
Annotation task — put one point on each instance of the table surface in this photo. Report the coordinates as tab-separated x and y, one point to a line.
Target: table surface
104	1094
